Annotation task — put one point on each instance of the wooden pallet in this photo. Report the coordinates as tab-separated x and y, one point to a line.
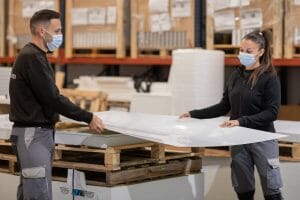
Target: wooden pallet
154	52
133	174
8	164
4	108
93	101
95	175
289	112
230	50
289	151
144	40
18	26
118	105
272	14
103	39
94	52
118	157
217	151
6	147
292	50
114	165
296	52
7	158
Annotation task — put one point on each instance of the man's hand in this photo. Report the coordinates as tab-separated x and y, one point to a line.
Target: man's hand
187	114
96	124
230	123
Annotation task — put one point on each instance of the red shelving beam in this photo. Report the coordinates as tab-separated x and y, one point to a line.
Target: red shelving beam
293	62
161	61
119	61
103	60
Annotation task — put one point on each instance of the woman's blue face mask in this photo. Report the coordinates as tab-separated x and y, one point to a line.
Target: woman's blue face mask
247	59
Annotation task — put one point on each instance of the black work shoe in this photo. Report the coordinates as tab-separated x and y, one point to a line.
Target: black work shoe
246	196
277	196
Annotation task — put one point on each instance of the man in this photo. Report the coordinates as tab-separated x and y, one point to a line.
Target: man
35	105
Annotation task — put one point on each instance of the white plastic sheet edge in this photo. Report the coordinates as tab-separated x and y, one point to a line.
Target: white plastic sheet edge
181	132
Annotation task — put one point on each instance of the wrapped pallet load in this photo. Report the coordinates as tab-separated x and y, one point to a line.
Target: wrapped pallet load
159	26
292	29
96	28
20	11
229	21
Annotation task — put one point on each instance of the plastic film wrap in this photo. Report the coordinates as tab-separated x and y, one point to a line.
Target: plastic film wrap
196	79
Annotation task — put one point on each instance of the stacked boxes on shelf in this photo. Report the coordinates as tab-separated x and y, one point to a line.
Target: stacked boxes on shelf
95	28
158	26
229	21
2	28
119	89
20	11
292	29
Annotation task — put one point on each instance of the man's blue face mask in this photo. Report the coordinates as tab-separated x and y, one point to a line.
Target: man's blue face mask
55	43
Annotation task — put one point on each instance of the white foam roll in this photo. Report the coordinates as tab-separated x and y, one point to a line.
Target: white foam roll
196	79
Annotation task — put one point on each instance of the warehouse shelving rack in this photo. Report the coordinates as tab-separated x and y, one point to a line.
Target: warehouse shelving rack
158	61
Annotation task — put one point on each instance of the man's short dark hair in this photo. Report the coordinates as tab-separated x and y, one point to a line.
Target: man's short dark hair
42	16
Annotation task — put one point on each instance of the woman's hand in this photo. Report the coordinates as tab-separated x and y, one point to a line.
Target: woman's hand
187	114
230	123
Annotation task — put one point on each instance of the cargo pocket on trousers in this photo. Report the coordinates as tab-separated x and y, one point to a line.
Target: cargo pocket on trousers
35	183
273	174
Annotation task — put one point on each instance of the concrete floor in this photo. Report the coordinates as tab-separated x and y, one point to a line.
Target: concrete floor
218	182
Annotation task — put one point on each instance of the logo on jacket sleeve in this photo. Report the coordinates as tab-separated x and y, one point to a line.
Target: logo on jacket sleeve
13	76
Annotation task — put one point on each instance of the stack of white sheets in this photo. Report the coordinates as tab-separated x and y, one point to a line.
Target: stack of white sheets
117	88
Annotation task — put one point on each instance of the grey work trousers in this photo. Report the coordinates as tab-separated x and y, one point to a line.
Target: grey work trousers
265	156
34	148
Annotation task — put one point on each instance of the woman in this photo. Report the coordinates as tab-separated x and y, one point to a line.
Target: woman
252	96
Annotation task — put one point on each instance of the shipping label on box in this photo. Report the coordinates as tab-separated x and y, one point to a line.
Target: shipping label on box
251	19
96	15
181	8
79	16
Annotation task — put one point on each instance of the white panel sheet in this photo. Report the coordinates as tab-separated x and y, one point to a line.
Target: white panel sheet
95	140
164	129
182	132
